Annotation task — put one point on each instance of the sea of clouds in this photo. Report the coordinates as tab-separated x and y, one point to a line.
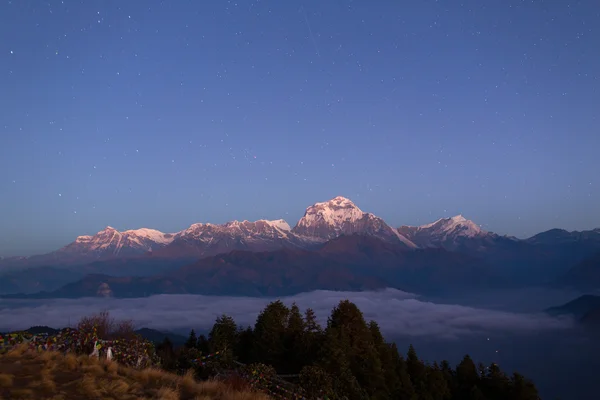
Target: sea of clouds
397	312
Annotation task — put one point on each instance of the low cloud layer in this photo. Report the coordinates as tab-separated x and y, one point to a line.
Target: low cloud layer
398	313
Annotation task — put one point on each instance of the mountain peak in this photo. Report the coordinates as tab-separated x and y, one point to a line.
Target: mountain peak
448	224
152	235
445	232
341	199
278	223
463	226
111	242
332	213
340	216
458	218
336	202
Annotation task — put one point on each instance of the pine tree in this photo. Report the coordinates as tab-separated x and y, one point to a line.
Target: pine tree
476	394
405	391
466	376
416	370
203	344
347	329
348	360
437	387
495	384
312	338
449	375
310	322
192	341
245	345
187	358
481	369
386	358
223	338
167	355
345	385
294	341
295	323
269	335
522	388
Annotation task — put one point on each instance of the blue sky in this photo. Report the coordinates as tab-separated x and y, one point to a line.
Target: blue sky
161	114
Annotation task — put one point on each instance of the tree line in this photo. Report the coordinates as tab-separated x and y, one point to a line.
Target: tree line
347	359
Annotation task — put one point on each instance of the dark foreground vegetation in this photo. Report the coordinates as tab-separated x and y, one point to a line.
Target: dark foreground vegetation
286	355
349	358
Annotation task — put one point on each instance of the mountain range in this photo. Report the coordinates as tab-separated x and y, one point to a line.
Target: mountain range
335	245
320	223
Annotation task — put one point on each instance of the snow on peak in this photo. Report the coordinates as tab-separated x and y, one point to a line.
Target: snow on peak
426	226
465	226
83	239
458	219
279	224
338	201
334	212
340	216
457	225
150	234
450	233
243	229
112	241
109	231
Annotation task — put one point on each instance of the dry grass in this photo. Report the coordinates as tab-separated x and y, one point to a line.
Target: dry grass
27	374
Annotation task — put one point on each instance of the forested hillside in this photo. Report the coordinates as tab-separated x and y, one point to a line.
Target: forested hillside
348	358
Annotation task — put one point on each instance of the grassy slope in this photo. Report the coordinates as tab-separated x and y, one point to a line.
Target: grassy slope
50	375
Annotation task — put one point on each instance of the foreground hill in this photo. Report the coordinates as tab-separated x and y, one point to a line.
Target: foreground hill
32	375
286	354
347	358
346	263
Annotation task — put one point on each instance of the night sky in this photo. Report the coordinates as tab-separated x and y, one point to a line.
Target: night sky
161	114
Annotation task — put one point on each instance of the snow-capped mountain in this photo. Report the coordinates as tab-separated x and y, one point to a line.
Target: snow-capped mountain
340	216
269	255
320	223
209	239
111	242
449	233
